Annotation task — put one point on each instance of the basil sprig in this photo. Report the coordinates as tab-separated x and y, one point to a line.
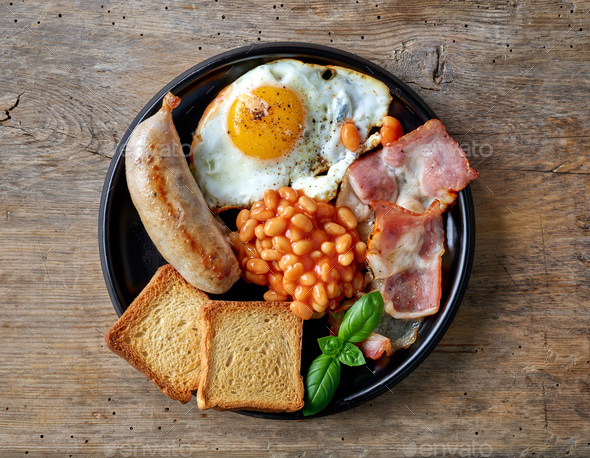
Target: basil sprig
324	372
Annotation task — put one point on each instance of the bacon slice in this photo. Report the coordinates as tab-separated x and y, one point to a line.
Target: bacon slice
422	166
404	253
374	346
372	180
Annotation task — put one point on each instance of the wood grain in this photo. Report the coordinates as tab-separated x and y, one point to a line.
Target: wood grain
510	81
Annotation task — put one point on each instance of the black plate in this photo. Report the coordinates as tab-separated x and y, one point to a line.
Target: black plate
129	259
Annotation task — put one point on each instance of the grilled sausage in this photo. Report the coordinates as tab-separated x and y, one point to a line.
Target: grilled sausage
172	207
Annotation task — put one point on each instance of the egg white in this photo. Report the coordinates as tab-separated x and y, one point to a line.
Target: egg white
229	178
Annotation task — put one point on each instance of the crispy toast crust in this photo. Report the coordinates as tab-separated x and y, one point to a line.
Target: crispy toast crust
209	312
114	337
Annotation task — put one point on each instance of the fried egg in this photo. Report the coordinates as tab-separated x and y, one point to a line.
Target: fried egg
279	125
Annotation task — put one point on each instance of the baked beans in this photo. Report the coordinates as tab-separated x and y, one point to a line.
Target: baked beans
271	199
302	222
274	226
243	216
334	229
343	243
288	194
262	214
300	248
346	217
270	255
391	131
247	230
259	232
307	204
349	136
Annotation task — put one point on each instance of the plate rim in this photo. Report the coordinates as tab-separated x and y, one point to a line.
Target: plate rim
320	51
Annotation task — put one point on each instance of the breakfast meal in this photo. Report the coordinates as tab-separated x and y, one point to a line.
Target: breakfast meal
300	184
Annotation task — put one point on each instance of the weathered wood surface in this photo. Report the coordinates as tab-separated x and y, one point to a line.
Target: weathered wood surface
510	80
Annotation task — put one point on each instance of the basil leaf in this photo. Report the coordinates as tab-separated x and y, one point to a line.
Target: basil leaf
351	355
321	383
362	318
330	345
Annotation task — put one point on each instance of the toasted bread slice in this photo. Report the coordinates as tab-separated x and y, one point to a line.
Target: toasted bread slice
250	357
159	334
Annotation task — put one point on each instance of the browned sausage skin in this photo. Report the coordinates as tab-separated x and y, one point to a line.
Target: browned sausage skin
172	207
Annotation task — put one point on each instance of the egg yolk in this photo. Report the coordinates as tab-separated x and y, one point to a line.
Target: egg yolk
266	123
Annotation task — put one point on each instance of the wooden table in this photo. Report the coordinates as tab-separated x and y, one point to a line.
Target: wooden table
509	79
